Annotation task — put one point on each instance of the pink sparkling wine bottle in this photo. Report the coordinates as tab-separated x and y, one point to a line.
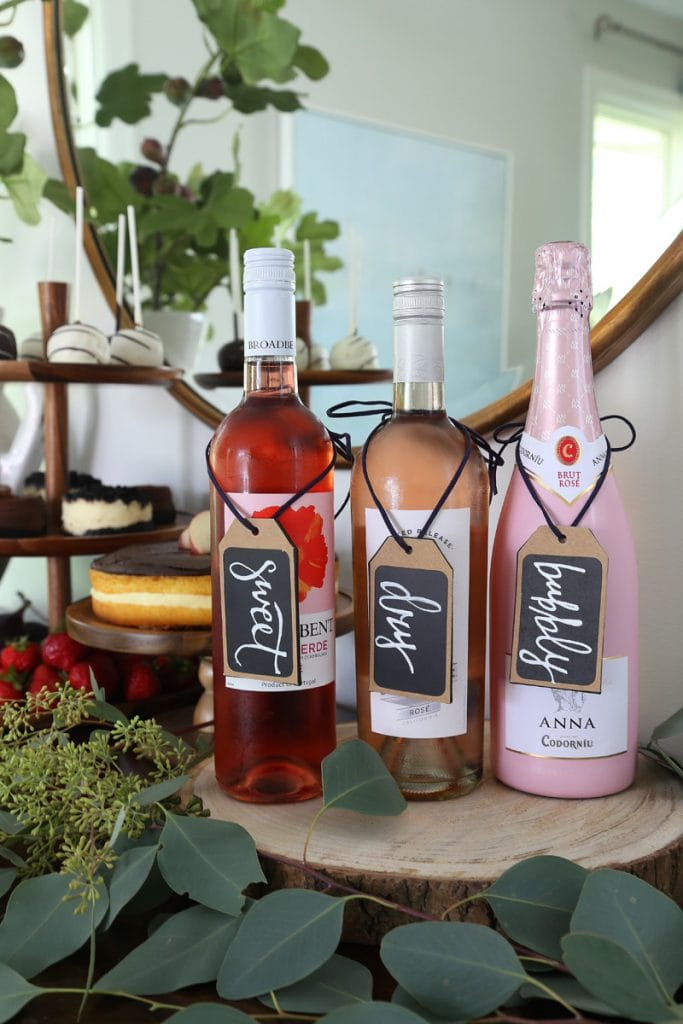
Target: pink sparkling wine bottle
546	739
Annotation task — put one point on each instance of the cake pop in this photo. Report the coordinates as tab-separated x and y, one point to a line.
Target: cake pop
76	342
132	346
32	347
354	352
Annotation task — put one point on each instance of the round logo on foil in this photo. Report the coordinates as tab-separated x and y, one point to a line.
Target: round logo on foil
568	450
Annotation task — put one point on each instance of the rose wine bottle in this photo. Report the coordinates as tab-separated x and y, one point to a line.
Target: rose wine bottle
271	736
564	709
428	734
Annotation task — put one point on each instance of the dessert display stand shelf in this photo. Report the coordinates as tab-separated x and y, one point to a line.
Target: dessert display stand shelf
307	379
55	545
438	853
83	625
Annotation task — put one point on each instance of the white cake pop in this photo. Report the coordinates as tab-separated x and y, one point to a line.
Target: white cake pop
132	346
303	357
319	358
354	353
32	347
76	342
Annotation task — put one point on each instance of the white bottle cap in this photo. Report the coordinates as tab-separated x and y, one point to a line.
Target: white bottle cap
269	315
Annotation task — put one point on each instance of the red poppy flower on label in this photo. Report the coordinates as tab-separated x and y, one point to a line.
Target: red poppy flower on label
304	527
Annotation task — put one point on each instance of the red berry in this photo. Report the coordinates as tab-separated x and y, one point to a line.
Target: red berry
60	651
141	683
45	678
22	654
9	691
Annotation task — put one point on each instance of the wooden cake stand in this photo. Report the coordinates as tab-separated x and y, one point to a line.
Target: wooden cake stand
436	854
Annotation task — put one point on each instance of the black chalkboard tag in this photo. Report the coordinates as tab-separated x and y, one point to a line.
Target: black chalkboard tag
411	621
559	618
259	603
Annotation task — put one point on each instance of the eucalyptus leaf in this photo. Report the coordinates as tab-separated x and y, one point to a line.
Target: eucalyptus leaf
7	853
339	982
187	949
25	188
127	94
41	926
160	791
372	1013
355	778
402	998
130	873
572	992
212	861
7	877
671	726
465	970
646	923
611	973
9	824
103	710
534	901
8	103
209	1013
284	937
15	992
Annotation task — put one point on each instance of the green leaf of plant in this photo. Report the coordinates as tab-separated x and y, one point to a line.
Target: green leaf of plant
402	998
187	949
25	189
248	99
58	194
107	188
75	15
316	230
339	982
11	152
160	791
465	970
7	853
642	920
209	1013
372	1013
355	778
613	974
571	991
100	708
284	937
15	992
311	62
127	94
9	824
7	876
8	103
212	861
534	901
261	44
130	873
671	726
40	926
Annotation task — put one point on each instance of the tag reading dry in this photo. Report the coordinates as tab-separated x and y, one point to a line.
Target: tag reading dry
560	611
259	603
411	621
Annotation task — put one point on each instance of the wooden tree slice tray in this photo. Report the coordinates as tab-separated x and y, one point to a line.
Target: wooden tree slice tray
435	854
83	625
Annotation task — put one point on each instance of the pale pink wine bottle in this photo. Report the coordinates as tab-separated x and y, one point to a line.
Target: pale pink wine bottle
550	739
432	748
270	737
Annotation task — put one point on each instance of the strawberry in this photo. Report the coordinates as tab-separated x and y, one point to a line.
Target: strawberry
45	678
175	673
22	654
9	691
102	668
141	683
59	650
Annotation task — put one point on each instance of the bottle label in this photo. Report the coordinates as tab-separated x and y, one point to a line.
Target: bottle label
394	715
561	723
309	525
418	352
564	462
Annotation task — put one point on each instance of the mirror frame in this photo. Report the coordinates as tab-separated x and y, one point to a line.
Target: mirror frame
621	326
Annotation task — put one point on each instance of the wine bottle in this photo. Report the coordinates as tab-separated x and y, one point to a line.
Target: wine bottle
419	497
563	612
271	735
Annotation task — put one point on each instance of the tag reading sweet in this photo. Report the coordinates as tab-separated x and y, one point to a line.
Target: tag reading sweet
259	606
411	621
560	611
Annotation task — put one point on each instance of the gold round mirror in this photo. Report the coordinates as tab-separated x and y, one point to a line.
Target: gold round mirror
612	333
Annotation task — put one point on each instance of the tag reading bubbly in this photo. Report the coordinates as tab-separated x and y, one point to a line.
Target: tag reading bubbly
559	616
260	610
411	625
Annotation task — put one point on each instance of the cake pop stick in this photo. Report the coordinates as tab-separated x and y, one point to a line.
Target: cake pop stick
307	270
76	299
135	266
120	266
133	346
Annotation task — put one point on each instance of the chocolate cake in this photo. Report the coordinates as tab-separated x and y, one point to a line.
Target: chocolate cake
8	343
22	515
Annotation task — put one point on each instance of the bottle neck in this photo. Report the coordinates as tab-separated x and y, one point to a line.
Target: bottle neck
562	394
269	341
419	366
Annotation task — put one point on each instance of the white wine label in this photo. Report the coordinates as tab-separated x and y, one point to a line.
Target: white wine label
393	715
560	723
564	462
309	525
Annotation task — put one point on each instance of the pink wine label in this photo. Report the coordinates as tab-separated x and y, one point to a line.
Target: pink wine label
390	713
558	723
309	524
564	462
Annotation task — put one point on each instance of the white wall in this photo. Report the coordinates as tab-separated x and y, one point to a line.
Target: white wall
142	435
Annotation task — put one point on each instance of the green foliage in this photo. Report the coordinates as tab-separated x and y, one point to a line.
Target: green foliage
339	982
15	992
356	778
127	94
75	15
670	728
